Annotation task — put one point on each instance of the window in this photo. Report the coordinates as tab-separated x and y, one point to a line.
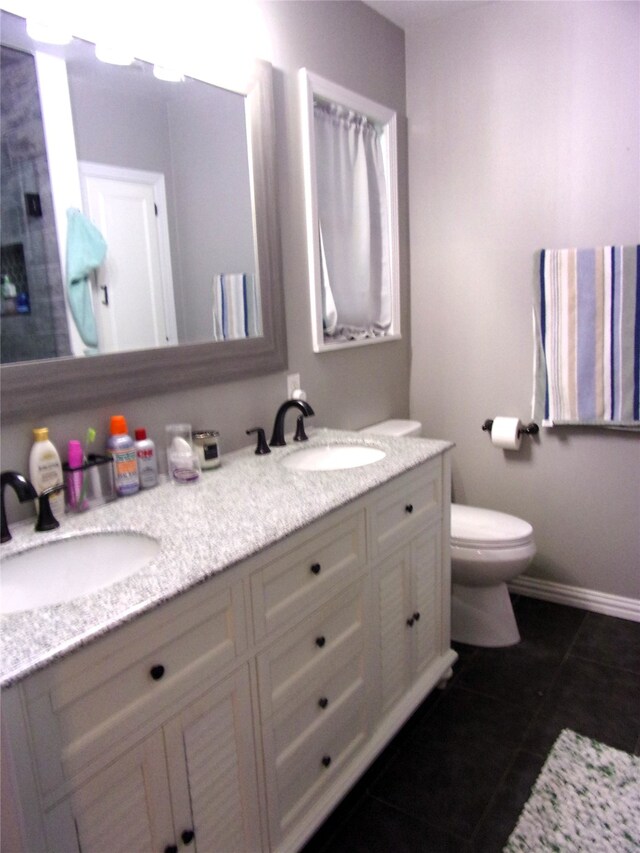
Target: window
350	160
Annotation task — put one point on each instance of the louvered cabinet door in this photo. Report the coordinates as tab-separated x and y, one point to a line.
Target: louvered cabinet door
212	772
123	808
426	582
393	587
408	598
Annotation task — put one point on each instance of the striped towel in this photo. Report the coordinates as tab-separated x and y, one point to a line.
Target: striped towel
236	308
587	337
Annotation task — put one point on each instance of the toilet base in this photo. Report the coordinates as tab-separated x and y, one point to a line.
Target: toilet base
483	616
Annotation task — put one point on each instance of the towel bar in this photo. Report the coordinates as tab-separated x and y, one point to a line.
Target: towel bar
529	429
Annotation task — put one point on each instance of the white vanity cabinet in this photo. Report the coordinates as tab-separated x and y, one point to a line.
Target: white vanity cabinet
235	716
144	735
191	783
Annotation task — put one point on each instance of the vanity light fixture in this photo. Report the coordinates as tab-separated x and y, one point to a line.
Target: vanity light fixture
169	75
113	54
48	31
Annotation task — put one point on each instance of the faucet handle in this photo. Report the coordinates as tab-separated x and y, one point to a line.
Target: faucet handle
262	446
46	518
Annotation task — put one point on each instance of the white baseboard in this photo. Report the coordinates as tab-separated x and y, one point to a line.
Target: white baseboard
575	596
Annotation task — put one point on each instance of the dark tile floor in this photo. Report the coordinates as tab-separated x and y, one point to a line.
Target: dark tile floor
456	777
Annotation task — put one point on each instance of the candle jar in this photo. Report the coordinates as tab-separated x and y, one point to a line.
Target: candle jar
207	447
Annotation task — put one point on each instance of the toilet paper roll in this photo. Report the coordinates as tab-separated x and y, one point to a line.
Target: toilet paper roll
505	433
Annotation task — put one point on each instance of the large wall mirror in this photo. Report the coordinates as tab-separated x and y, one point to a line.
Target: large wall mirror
195	297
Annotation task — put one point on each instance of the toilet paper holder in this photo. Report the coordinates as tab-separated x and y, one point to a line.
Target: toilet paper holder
529	429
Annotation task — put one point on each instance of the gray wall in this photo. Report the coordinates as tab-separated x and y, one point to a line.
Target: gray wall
350	44
524	134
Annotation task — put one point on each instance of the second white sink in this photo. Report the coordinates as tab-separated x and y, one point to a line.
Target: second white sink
332	457
69	568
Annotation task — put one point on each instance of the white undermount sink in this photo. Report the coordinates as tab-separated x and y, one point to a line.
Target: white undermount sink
332	457
69	568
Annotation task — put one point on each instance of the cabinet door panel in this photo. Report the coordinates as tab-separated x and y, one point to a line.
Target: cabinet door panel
393	603
123	808
425	559
210	752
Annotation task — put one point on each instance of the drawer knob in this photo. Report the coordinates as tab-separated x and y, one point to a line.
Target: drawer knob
410	621
315	568
320	641
326	760
323	702
187	836
416	616
409	508
156	672
171	848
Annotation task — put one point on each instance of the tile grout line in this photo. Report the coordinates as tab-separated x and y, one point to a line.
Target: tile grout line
565	658
419	820
520	748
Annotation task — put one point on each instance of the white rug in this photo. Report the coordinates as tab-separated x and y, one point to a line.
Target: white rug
586	800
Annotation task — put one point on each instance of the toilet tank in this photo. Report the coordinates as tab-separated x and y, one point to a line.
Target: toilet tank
395	428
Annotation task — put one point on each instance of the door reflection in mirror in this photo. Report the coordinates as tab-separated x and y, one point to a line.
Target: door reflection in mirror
133	292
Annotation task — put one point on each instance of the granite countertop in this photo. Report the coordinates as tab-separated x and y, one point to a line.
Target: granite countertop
244	506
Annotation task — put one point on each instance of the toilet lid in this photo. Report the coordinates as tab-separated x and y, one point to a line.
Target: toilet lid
474	527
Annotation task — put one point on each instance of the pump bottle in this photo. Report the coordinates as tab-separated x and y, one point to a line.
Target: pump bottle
45	469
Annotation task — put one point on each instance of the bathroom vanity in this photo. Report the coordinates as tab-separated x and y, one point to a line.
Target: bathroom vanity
228	695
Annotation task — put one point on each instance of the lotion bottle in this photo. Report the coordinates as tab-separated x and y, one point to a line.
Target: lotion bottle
122	450
45	469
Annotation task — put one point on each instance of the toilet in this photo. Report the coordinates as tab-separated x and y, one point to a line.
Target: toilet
488	549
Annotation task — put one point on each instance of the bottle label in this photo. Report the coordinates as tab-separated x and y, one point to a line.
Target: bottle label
147	468
125	469
210	451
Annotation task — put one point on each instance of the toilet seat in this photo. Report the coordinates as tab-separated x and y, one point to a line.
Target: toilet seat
476	527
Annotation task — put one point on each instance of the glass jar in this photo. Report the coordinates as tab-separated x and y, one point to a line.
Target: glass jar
207	447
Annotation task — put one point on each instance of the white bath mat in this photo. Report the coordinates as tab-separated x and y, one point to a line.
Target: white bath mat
586	798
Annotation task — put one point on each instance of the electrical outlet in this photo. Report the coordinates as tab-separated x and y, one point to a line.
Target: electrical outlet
293	383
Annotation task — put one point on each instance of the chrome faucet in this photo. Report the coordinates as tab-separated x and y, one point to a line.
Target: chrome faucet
23	489
277	437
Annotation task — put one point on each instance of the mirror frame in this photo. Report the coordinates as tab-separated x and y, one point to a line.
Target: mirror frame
57	385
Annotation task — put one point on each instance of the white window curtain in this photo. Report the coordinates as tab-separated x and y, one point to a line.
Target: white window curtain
353	216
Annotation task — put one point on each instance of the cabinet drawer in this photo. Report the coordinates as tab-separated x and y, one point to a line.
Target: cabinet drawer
317	697
95	698
312	763
300	658
293	584
404	508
